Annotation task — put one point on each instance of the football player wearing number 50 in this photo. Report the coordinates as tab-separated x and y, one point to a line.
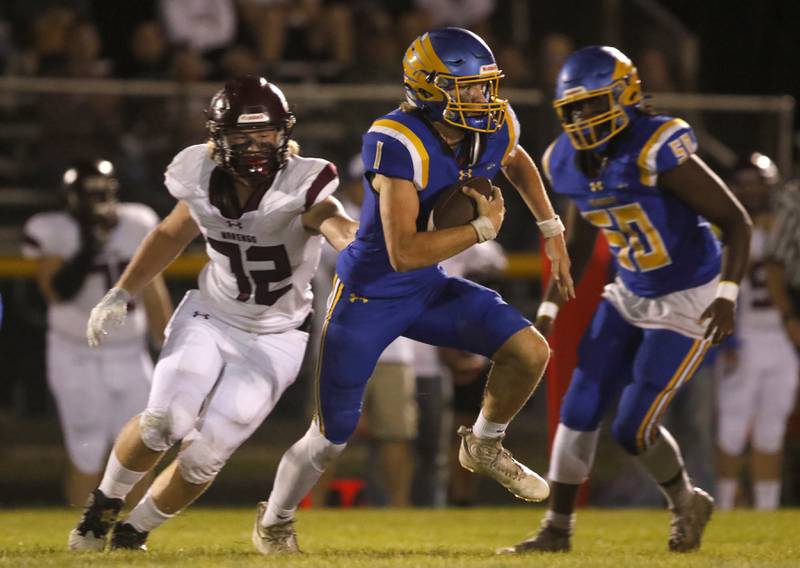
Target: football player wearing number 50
79	252
237	343
635	175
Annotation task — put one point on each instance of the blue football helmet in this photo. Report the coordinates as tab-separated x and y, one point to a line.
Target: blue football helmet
440	69
598	92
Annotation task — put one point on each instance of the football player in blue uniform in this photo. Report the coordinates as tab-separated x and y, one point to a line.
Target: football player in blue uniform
636	176
453	126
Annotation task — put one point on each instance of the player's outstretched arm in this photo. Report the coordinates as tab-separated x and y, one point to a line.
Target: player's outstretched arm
329	219
580	239
158	306
695	184
520	170
157	250
409	249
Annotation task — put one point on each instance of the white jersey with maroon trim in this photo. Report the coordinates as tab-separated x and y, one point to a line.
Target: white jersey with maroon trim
57	234
258	277
757	313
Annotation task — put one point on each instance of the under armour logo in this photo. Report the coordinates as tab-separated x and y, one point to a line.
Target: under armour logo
354	298
465	174
197	314
234	224
595	186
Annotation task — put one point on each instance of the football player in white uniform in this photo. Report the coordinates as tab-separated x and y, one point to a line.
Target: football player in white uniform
79	253
237	343
756	395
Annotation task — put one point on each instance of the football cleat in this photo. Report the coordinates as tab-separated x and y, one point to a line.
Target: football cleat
280	538
687	523
548	539
489	457
99	515
126	537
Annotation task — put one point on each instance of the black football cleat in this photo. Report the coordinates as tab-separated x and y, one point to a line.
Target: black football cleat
126	537
98	517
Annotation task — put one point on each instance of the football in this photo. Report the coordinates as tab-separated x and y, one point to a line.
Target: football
453	207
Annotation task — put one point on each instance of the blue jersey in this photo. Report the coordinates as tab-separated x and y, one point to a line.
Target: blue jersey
405	145
660	245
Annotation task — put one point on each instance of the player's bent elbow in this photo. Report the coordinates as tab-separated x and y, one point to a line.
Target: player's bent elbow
400	261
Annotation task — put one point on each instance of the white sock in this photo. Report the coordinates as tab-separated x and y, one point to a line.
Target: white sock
301	467
485	429
559	520
146	516
767	494
726	494
118	480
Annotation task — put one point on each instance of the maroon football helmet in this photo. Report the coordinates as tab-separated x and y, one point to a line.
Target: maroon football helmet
244	106
91	189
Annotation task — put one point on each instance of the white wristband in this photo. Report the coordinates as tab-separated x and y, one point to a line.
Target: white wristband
547	309
551	227
484	228
728	290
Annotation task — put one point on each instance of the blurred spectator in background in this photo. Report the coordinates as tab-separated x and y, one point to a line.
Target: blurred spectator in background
554	49
377	60
285	30
757	394
208	26
472	14
49	35
237	61
83	59
79	253
149	52
515	64
187	65
654	70
76	125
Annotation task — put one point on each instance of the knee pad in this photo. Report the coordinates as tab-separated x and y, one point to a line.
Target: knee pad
582	408
199	461
161	428
573	455
321	451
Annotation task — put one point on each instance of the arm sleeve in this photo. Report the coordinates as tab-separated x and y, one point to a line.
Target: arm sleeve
323	182
382	154
184	165
668	146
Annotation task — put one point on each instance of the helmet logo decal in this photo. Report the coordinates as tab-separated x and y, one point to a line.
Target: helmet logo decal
254	117
492	68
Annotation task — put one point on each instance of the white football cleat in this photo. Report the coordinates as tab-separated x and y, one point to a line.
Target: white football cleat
280	538
489	457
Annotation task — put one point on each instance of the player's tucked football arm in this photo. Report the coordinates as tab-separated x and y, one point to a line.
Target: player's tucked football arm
698	187
329	219
520	170
409	249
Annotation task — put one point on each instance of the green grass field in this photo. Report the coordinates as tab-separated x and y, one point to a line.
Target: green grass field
448	538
